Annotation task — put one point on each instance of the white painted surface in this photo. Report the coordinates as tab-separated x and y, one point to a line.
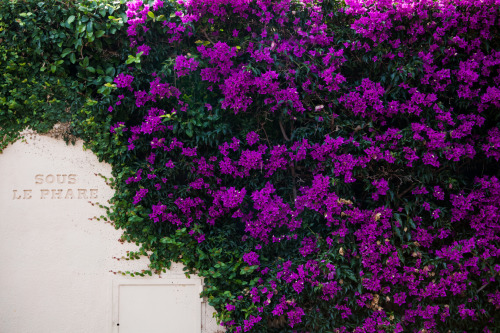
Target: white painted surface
147	306
56	259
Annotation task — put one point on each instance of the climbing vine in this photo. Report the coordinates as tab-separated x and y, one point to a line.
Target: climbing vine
54	56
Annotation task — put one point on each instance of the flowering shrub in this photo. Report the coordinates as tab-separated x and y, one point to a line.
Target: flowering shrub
326	166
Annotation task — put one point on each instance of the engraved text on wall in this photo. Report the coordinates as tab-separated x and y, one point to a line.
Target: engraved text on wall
48	187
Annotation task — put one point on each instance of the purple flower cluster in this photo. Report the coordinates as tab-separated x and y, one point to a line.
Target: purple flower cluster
251	258
123	81
413	256
140	195
184	65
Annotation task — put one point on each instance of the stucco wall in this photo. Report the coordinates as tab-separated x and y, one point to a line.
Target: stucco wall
56	260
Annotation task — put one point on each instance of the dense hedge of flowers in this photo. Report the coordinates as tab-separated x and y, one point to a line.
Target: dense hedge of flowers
326	166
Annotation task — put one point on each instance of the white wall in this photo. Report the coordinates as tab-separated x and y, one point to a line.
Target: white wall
55	260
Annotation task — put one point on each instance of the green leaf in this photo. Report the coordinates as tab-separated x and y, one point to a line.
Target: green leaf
71	19
72	58
136	59
130	60
66	52
135	219
80	28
